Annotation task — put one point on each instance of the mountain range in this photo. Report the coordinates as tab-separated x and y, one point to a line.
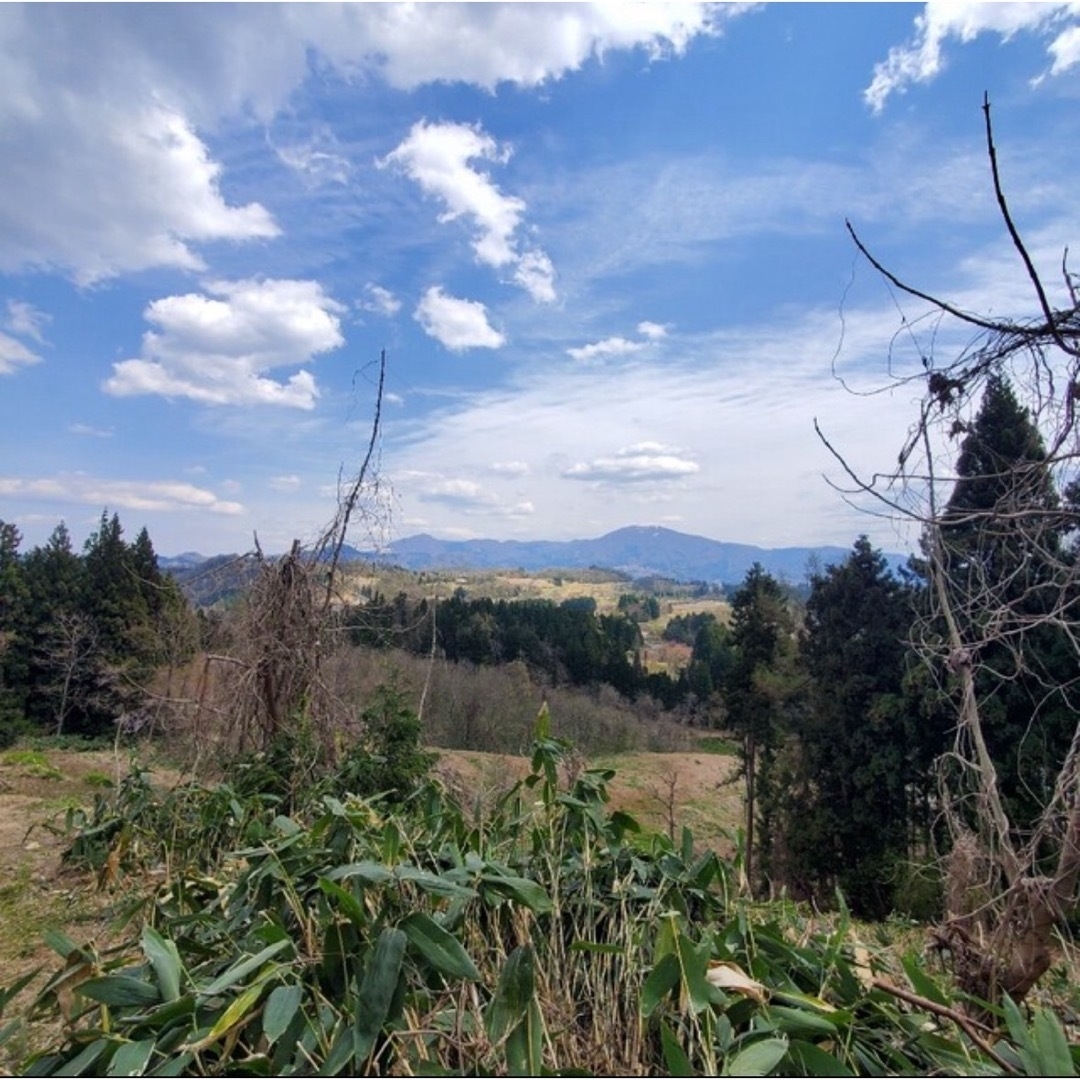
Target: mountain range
636	550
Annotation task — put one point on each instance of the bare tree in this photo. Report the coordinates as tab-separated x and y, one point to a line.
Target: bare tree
273	675
1009	885
71	651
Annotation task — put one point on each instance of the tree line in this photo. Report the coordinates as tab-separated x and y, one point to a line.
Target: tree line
82	633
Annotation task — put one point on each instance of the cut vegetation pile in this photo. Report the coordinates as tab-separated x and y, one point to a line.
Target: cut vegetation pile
537	932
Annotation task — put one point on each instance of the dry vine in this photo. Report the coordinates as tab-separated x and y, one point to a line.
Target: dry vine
1008	888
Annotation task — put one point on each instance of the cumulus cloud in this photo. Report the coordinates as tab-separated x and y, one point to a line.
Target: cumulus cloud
600	350
652	331
460	494
146	191
457	324
122	97
125	494
635	464
379	301
922	58
437	157
215	347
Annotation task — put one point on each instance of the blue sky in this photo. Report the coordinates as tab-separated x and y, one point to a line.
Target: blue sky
602	246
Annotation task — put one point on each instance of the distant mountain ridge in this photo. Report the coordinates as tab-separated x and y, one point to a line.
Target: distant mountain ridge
637	550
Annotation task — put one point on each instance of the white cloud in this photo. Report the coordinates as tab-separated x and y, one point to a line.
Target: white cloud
458	493
652	331
14	354
26	321
1065	49
93	432
99	191
509	468
521	43
634	464
125	494
437	157
379	301
318	159
922	58
457	324
599	350
289	482
216	348
105	108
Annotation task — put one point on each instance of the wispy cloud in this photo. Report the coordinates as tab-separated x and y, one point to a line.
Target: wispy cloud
599	350
25	320
437	157
215	347
92	432
455	323
14	355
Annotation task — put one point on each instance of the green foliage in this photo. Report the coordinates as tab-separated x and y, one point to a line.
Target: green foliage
551	936
80	633
858	783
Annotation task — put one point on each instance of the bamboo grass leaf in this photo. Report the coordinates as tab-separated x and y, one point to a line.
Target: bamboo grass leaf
244	967
131	1058
441	949
165	959
281	1007
377	990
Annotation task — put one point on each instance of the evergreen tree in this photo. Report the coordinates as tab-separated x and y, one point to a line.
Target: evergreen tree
761	635
1003	535
14	654
858	762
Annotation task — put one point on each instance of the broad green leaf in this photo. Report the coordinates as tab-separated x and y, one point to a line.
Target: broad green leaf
369	873
116	990
438	886
525	1044
659	984
131	1058
1051	1046
59	942
438	947
678	1064
809	1059
280	1009
922	983
524	891
758	1059
176	1065
346	901
377	990
239	1009
9	992
84	1061
244	967
513	993
165	960
801	1022
693	962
